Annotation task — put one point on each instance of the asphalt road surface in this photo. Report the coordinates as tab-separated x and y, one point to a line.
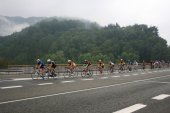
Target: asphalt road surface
132	92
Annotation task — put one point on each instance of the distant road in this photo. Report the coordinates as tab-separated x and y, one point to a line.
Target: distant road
139	92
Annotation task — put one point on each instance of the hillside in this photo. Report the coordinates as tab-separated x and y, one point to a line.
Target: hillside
62	39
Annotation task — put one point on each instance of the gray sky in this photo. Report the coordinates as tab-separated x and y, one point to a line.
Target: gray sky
104	12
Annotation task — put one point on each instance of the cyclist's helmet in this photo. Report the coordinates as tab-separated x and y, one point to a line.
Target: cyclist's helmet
100	60
69	61
38	60
49	60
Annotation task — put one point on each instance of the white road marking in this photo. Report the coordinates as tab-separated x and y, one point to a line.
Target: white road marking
18	79
115	76
69	81
131	108
82	90
155	71
126	75
143	73
149	72
158	82
9	87
44	84
86	79
135	74
104	78
161	97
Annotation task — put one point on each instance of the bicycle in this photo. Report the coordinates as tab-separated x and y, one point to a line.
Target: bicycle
37	74
51	74
86	73
129	67
111	69
100	69
121	68
68	73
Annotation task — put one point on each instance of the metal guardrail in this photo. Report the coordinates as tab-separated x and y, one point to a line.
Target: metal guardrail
28	69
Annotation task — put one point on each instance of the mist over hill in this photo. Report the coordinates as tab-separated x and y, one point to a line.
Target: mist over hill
9	25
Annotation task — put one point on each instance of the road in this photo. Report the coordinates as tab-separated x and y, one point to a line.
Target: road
137	92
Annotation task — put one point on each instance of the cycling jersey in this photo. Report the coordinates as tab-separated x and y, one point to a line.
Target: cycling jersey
88	63
72	64
53	64
41	64
122	63
101	64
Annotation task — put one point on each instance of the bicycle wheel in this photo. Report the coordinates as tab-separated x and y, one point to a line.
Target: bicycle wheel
35	75
90	73
120	69
66	74
54	75
83	74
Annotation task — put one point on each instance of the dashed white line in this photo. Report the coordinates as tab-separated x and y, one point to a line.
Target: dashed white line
104	78
116	76
131	108
155	71
18	79
160	71
143	73
9	87
86	79
161	97
126	75
44	84
69	81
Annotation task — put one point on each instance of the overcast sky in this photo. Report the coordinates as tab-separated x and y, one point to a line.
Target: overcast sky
104	12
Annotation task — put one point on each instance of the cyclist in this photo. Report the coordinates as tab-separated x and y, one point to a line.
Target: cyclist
100	66
135	63
51	67
87	66
71	65
129	63
121	64
40	65
111	64
143	65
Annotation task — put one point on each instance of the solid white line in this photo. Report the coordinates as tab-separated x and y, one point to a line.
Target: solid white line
9	87
77	91
158	82
44	84
68	81
131	108
161	97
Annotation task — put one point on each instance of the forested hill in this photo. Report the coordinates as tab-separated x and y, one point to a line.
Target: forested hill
78	40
